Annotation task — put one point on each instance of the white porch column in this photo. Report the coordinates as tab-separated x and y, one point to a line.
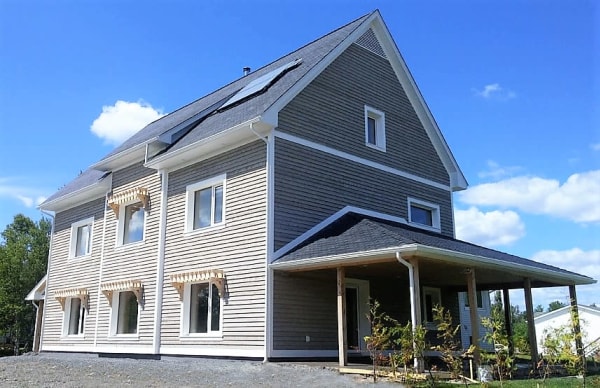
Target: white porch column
530	323
472	295
341	316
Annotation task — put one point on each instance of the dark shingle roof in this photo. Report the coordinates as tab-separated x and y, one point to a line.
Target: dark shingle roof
354	233
83	180
311	54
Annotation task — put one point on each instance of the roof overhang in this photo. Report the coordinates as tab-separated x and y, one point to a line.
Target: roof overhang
39	291
438	254
223	141
130	156
85	194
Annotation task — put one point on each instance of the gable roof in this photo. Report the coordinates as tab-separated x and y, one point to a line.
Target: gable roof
356	234
210	125
566	310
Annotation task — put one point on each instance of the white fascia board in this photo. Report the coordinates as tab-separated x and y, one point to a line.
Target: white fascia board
329	220
468	259
457	178
271	114
216	144
38	291
124	158
346	259
88	193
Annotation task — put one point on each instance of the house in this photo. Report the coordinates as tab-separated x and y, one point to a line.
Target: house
589	319
259	220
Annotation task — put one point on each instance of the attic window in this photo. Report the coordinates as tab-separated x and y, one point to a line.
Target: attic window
138	193
374	128
262	83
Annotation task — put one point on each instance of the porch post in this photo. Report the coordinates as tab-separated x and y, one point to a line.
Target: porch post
38	326
508	321
341	317
530	323
576	324
472	294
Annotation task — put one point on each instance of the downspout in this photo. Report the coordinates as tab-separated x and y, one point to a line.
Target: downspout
160	262
100	269
52	216
413	309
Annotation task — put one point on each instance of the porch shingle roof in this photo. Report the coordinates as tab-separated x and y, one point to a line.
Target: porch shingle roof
358	233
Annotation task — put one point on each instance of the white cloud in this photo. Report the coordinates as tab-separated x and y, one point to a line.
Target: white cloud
595	147
27	196
496	92
488	228
118	122
576	260
495	171
576	199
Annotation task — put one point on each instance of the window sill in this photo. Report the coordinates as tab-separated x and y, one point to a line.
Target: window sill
124	337
206	229
123	247
425	227
82	257
375	147
74	337
218	336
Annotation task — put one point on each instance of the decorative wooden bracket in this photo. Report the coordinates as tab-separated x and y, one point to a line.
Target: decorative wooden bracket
81	293
134	286
139	193
216	276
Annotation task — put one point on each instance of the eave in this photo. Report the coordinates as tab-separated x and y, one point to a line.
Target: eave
88	193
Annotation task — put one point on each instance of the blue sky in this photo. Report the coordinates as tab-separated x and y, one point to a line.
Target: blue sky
514	86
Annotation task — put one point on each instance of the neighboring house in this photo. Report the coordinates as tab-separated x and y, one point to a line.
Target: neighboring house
259	220
589	318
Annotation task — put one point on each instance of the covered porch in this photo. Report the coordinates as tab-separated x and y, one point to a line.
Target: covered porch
362	257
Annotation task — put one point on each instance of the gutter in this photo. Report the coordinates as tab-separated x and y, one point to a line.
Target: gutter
160	262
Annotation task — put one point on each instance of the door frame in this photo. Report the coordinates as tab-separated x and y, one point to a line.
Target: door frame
364	327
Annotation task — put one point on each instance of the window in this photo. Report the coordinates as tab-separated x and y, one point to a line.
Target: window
81	238
205	203
125	309
424	214
74	317
479	299
374	128
431	297
131	223
202	309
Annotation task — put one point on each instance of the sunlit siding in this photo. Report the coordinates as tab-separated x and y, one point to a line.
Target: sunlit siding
81	272
238	248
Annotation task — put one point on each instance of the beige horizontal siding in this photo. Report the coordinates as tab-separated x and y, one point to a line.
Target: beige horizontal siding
238	248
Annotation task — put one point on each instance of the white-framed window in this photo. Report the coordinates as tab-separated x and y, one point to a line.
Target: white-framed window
205	203
479	296
74	316
374	128
431	297
124	313
132	220
81	238
202	310
424	214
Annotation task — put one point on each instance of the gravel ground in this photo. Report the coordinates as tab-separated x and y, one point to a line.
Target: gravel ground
88	370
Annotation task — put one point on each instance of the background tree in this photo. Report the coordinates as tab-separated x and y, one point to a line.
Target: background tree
555	305
23	257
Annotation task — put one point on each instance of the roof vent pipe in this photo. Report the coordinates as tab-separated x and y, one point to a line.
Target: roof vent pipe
246	71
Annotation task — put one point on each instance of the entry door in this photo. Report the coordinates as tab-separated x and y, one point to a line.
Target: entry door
357	308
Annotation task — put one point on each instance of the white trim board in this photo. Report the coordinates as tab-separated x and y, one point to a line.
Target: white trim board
357	159
220	351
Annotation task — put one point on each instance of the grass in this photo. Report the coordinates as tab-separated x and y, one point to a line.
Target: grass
555	382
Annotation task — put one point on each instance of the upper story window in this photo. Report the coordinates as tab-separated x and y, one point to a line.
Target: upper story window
374	128
205	203
432	297
424	214
131	223
81	238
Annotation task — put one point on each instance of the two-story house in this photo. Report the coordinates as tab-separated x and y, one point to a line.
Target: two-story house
259	220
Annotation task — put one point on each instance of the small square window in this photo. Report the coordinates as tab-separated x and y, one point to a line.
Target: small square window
81	238
205	204
74	317
374	128
125	311
432	297
201	309
131	223
424	214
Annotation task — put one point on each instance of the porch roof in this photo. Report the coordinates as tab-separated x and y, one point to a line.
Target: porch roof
356	239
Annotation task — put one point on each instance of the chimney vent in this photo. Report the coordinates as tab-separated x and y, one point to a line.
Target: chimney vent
246	70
